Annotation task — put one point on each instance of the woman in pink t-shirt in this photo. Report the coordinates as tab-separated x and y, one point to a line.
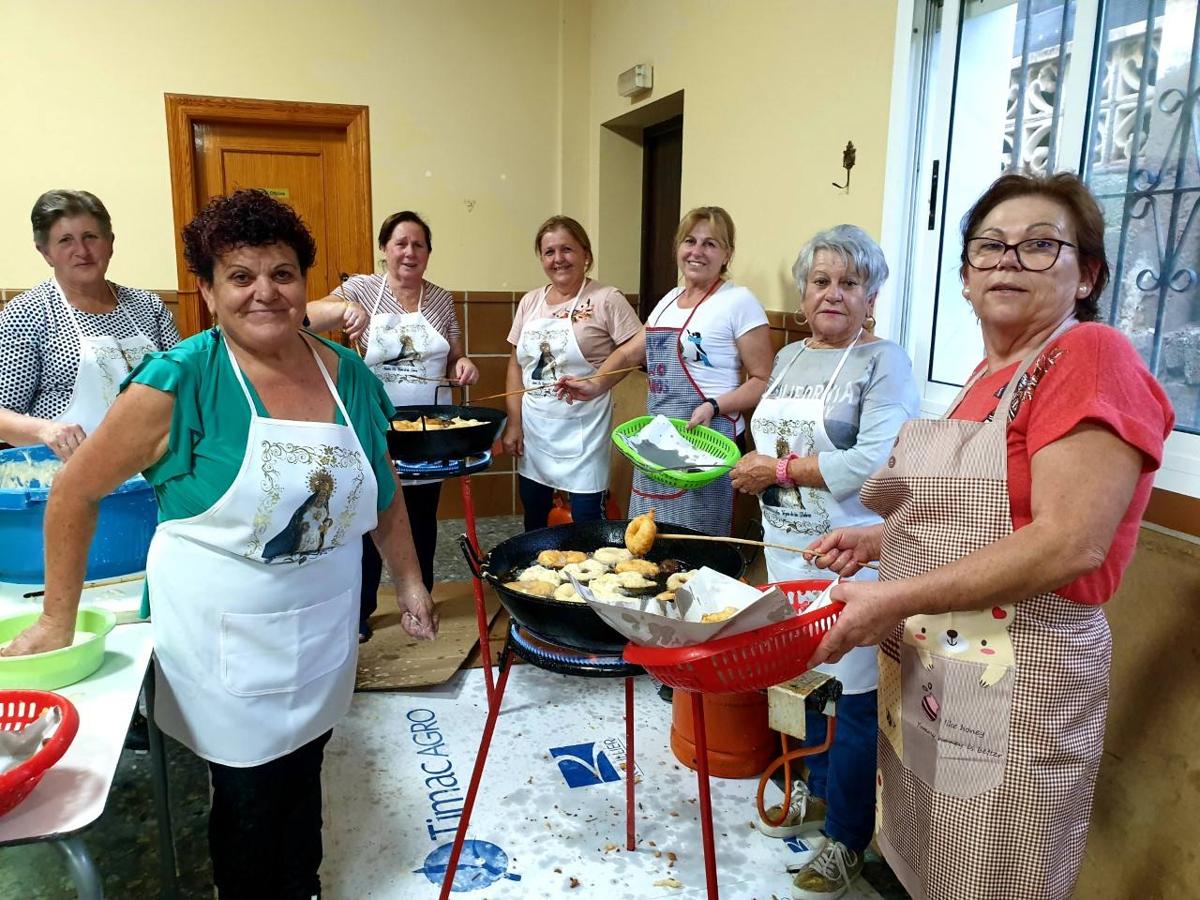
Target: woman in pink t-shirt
565	329
1006	527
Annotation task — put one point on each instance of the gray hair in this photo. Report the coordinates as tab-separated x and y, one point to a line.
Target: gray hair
57	204
856	248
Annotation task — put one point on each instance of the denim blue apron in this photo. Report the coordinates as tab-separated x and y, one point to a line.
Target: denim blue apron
672	392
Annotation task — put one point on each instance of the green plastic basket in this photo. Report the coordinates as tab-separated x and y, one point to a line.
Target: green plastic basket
706	439
57	668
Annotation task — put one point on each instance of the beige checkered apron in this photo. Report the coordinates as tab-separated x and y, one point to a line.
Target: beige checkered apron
991	721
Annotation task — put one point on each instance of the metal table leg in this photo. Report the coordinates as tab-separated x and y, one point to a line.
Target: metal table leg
83	869
706	825
630	769
506	658
162	807
485	644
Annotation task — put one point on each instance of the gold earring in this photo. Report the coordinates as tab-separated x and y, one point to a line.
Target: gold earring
800	317
869	323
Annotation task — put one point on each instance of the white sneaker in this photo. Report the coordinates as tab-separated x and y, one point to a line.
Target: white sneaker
829	875
805	813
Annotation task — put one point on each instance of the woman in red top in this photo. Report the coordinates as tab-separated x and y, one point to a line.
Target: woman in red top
1006	527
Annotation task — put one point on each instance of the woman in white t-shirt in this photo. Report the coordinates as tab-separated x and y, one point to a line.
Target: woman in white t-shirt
695	345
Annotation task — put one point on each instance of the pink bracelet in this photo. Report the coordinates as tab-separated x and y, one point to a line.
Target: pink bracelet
781	471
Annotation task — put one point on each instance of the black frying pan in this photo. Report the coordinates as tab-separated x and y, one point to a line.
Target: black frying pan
444	443
576	624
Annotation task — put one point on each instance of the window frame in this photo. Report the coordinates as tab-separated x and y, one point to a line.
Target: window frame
906	312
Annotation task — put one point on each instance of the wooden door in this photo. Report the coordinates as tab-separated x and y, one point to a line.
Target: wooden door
311	156
662	163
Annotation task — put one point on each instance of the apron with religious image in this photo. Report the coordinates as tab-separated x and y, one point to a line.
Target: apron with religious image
991	721
566	444
406	353
796	516
674	393
256	599
104	362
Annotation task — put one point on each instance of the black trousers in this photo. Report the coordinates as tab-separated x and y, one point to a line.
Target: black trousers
422	503
264	829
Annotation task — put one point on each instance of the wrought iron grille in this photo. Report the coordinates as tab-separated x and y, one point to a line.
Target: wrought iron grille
1141	162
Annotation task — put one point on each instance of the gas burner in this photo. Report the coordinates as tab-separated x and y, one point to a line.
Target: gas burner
443	468
554	657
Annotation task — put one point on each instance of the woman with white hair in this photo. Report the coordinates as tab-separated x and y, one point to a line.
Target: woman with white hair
830	415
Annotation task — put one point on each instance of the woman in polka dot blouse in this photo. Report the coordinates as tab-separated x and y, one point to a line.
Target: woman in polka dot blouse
69	342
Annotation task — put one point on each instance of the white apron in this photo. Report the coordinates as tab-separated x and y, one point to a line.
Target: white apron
566	444
797	515
104	362
406	353
255	601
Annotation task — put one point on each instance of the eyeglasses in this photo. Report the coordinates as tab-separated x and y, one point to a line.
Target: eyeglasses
1035	254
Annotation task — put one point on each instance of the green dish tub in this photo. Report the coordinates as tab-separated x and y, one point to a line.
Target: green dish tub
57	668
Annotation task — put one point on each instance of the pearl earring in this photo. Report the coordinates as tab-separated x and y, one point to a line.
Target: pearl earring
966	292
1083	288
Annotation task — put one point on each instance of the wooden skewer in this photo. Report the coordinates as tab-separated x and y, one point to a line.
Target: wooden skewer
103	582
475	400
440	382
733	540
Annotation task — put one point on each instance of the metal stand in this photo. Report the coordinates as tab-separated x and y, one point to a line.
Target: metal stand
462	469
554	662
485	643
706	825
82	868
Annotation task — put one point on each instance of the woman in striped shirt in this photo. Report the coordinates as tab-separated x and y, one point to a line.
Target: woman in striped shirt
409	335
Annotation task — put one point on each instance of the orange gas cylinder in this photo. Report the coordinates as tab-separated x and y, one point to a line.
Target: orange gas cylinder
740	742
560	512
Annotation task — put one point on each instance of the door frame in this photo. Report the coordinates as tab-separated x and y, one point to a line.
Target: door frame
184	111
648	299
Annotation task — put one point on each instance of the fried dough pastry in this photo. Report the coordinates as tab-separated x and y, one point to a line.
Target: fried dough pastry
568	593
541	573
534	588
640	533
606	585
585	571
610	556
634	581
643	567
556	559
679	579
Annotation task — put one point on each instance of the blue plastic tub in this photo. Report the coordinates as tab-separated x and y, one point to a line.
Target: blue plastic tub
123	531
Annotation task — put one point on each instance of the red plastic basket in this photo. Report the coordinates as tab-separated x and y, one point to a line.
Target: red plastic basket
18	709
744	662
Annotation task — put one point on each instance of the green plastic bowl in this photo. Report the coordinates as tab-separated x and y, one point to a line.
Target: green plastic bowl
707	439
57	668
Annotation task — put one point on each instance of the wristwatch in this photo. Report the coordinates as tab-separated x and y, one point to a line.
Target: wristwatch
781	471
715	405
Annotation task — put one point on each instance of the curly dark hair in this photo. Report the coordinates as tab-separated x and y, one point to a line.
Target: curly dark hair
246	218
1065	189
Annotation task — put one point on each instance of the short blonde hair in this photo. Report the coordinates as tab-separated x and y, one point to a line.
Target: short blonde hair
718	220
571	227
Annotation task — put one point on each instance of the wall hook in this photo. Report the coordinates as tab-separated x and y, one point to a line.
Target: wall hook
848	156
